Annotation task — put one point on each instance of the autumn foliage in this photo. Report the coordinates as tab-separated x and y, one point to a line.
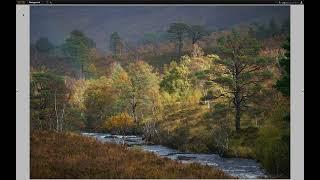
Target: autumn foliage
121	122
185	88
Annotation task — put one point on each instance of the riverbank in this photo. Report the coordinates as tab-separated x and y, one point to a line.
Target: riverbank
56	155
249	143
237	167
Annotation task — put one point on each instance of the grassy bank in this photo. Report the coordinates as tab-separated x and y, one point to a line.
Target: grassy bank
242	144
56	155
190	130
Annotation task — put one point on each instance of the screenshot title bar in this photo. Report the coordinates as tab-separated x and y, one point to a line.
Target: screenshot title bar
289	2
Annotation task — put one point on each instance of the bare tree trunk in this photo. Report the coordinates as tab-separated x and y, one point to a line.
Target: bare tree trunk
256	121
55	109
179	48
49	125
61	118
123	138
237	118
82	72
237	101
194	40
40	124
134	107
155	49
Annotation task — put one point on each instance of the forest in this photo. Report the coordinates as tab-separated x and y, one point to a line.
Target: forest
224	91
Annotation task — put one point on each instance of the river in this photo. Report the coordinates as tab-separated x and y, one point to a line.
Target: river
237	167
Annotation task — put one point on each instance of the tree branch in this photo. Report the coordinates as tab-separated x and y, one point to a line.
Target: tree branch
256	68
247	96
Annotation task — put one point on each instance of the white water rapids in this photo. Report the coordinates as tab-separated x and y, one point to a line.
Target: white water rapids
237	167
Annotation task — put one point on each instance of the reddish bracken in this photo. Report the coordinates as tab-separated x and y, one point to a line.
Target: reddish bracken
57	155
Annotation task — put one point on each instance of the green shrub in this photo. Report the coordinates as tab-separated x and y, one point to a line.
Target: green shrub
242	144
273	144
240	151
273	150
177	138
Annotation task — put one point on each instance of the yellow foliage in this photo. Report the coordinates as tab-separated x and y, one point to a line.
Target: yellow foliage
193	97
92	68
77	94
121	122
123	76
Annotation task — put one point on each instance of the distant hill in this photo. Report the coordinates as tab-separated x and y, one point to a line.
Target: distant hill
132	22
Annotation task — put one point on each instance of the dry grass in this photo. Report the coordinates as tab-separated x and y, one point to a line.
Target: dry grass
56	155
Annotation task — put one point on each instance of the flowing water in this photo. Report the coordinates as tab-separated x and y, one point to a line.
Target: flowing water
237	167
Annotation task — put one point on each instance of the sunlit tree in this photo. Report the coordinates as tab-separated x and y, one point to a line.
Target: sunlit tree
245	71
121	123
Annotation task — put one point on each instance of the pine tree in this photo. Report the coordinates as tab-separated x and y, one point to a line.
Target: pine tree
245	71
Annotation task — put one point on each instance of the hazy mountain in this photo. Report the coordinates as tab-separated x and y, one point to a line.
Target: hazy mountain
131	22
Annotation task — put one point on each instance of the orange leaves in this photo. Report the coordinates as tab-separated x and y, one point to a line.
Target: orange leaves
123	76
121	122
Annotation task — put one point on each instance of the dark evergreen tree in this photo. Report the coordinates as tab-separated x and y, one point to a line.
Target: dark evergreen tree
178	30
245	71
